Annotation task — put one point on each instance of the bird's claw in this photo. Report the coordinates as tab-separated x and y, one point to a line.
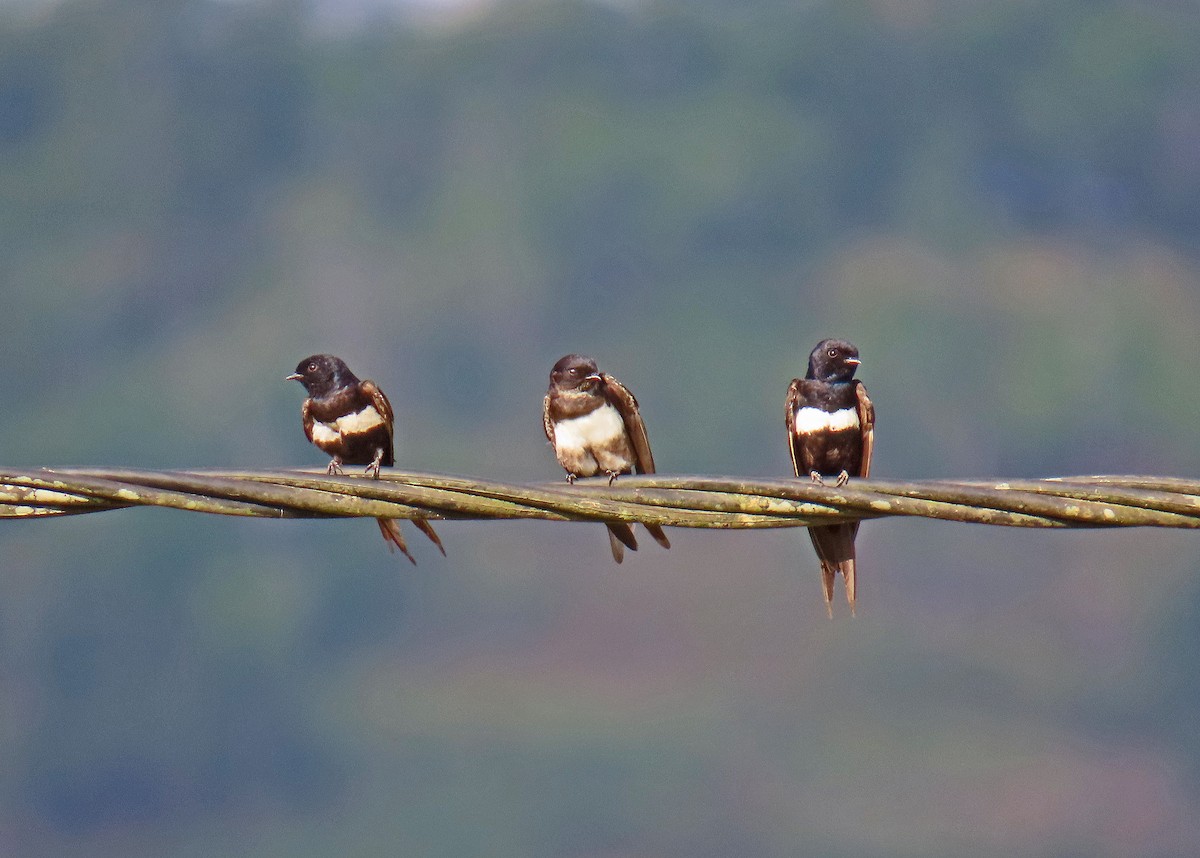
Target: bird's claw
842	479
376	464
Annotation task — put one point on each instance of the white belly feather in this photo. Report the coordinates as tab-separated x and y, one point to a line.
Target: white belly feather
594	429
810	420
351	424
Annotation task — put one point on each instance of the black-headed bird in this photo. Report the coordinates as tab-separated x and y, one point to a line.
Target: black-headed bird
352	421
831	431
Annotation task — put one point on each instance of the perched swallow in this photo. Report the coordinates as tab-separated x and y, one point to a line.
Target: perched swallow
351	420
593	423
831	433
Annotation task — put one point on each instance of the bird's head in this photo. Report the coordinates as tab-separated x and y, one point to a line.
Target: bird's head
321	375
574	372
833	360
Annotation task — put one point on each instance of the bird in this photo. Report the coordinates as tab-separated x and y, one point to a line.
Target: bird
351	420
831	434
593	423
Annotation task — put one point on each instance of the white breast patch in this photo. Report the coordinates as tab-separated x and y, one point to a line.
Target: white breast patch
324	433
352	424
360	421
594	428
810	420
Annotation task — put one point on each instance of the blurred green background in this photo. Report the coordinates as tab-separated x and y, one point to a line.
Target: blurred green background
999	203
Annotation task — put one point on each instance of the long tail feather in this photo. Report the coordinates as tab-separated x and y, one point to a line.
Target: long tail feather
847	570
657	533
390	528
828	574
620	536
834	544
426	528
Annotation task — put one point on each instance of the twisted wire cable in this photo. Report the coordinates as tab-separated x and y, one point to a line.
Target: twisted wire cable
664	499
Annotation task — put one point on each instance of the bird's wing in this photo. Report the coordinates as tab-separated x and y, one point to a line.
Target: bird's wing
547	423
631	416
793	402
866	422
619	395
306	416
381	404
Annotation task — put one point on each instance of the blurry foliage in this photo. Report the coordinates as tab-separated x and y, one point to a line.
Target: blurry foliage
998	202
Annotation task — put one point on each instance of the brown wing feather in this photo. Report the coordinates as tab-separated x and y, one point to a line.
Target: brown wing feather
619	395
626	405
547	423
866	421
793	402
389	527
307	418
381	404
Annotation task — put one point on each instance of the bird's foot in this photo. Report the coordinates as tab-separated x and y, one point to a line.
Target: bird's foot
571	478
842	479
612	476
335	467
373	468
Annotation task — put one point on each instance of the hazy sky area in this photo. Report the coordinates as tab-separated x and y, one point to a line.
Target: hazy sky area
339	13
998	203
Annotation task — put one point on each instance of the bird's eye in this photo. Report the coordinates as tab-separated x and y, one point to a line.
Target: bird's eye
833	352
312	367
574	370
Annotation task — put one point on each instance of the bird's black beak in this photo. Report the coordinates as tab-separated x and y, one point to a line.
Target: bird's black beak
595	378
295	376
